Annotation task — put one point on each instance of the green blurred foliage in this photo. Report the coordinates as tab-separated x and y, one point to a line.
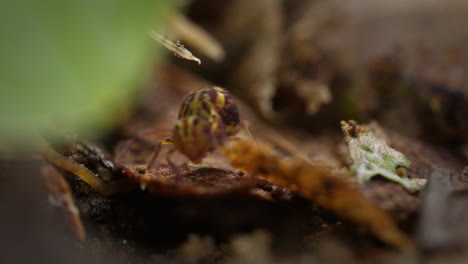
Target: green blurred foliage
72	65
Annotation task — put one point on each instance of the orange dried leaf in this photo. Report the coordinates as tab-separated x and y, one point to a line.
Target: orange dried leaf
316	184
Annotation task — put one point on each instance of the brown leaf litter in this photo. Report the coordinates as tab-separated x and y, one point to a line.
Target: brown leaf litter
316	184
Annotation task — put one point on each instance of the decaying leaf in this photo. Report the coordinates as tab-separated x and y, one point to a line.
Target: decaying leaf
372	156
60	195
315	183
202	181
109	177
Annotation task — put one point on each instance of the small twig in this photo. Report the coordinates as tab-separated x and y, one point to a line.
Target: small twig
177	48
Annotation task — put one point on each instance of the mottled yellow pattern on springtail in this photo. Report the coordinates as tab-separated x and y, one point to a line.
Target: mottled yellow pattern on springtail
206	118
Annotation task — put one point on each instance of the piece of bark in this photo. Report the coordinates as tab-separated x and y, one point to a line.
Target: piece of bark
444	210
60	195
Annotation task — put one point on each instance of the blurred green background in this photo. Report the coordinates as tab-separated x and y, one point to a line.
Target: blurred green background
73	65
